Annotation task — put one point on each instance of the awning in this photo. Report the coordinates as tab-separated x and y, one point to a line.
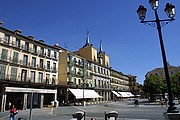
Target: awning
129	94
126	94
29	90
118	95
84	93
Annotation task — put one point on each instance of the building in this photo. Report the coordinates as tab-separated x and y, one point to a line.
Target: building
119	83
85	69
30	68
160	71
133	84
100	71
27	67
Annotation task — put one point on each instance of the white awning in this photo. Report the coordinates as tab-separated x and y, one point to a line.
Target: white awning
129	94
126	94
30	90
84	93
118	95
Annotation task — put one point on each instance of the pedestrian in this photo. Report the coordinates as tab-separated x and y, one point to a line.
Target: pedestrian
13	113
166	102
136	103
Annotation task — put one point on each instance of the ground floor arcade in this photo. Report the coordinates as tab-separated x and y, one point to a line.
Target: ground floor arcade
21	97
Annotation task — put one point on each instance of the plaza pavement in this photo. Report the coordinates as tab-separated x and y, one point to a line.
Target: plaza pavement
126	111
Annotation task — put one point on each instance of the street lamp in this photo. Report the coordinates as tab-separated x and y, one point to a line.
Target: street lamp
170	11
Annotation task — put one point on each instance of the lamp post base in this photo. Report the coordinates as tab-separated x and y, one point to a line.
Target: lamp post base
172	116
172	109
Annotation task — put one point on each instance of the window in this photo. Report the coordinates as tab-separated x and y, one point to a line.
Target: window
17	44
15	57
75	81
41	63
32	76
34	49
40	77
6	39
26	46
41	51
70	58
25	60
99	83
79	81
54	79
47	78
74	70
13	73
2	71
94	68
95	83
55	55
33	62
79	62
75	60
98	70
23	75
4	54
48	65
54	66
49	53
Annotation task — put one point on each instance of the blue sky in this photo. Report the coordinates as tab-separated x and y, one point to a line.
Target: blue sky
133	48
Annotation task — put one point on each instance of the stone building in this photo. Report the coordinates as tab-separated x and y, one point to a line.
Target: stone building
27	67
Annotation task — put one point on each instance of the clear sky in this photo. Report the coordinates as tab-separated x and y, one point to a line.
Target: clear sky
133	48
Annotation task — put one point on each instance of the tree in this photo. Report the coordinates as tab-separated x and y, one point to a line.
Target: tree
154	85
175	84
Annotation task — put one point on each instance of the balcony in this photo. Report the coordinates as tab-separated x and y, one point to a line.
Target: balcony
41	53
40	67
5	41
54	70
48	69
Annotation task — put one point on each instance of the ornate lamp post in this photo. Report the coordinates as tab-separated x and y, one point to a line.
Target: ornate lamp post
170	11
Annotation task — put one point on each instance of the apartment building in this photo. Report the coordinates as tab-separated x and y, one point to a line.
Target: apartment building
119	83
27	67
133	84
101	81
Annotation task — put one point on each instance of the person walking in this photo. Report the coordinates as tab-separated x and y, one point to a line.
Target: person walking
13	113
136	103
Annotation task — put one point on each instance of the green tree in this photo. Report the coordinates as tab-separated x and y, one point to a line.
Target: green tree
175	84
154	85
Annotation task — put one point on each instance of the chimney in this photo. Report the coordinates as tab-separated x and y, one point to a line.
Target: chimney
42	41
56	44
18	31
31	37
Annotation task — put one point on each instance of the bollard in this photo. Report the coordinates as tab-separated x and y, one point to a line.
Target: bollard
79	115
111	115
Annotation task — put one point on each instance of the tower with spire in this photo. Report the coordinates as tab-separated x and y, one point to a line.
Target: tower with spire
103	58
100	54
90	53
87	40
